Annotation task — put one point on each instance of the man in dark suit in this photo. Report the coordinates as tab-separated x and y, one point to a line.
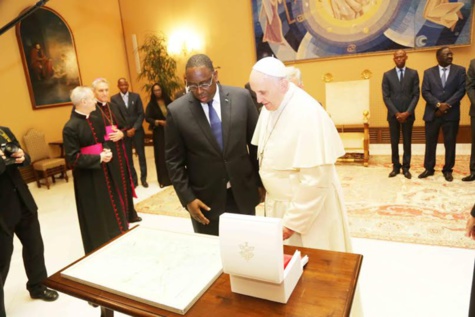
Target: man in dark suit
470	232
401	94
131	107
443	86
18	215
210	159
471	95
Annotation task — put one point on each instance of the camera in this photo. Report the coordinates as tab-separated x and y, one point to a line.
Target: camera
8	149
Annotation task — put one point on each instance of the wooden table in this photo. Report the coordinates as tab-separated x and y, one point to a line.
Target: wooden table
326	288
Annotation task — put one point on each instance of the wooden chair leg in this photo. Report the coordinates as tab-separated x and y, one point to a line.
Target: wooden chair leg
35	173
45	176
65	173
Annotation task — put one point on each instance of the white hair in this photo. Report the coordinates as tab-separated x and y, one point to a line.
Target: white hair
80	93
98	81
294	75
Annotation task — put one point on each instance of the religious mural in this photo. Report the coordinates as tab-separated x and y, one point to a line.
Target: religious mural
306	29
49	58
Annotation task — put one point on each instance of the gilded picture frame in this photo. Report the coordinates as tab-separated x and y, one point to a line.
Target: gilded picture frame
49	58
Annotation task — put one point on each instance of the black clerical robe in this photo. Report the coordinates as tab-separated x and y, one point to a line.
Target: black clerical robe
100	203
110	114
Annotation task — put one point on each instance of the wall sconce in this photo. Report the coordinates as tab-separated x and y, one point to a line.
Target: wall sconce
184	42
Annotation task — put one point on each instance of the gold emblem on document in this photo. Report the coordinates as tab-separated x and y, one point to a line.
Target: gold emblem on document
366	74
247	251
327	77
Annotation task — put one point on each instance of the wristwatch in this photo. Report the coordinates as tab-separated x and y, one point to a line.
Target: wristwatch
438	105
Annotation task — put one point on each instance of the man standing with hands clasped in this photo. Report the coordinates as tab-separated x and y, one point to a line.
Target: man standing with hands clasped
132	109
443	86
471	96
401	94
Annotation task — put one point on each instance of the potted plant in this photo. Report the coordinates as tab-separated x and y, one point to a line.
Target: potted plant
157	65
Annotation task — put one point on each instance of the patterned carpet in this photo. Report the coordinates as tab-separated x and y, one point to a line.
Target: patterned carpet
429	211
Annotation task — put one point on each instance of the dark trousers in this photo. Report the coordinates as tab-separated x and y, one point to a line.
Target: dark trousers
395	128
27	229
472	151
138	142
3	313
213	227
471	308
449	131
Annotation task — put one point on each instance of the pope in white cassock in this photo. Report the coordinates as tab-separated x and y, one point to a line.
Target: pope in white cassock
298	146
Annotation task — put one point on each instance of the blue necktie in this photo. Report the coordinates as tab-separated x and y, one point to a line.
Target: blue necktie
215	124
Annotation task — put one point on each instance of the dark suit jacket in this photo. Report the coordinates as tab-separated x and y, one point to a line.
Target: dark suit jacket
134	112
11	184
452	93
471	87
197	166
401	96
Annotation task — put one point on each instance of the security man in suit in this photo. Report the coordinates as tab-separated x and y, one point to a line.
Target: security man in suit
471	96
18	215
210	159
443	86
131	107
401	94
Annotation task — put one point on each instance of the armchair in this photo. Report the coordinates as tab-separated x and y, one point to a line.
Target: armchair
43	164
347	103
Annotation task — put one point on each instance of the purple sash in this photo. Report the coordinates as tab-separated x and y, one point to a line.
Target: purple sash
95	149
109	131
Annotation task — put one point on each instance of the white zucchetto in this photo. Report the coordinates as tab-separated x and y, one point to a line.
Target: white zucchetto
270	66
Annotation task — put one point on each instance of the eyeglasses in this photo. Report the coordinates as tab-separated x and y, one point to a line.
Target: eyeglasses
194	87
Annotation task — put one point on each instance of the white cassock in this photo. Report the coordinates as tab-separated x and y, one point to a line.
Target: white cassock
298	146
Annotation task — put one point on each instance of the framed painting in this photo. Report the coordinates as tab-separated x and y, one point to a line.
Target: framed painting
295	30
49	58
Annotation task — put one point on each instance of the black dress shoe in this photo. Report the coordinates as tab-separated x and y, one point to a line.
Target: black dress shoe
407	174
469	178
136	219
145	184
393	173
426	173
448	176
48	295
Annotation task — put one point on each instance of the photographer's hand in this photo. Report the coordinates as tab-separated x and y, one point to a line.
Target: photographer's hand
19	156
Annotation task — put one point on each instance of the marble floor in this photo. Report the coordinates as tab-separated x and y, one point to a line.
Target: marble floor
397	279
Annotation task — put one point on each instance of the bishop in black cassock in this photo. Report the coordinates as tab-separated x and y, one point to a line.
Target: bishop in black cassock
101	199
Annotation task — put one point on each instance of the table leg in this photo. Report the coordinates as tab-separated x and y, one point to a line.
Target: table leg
106	312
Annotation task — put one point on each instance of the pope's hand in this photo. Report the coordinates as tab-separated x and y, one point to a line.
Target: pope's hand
287	233
195	207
